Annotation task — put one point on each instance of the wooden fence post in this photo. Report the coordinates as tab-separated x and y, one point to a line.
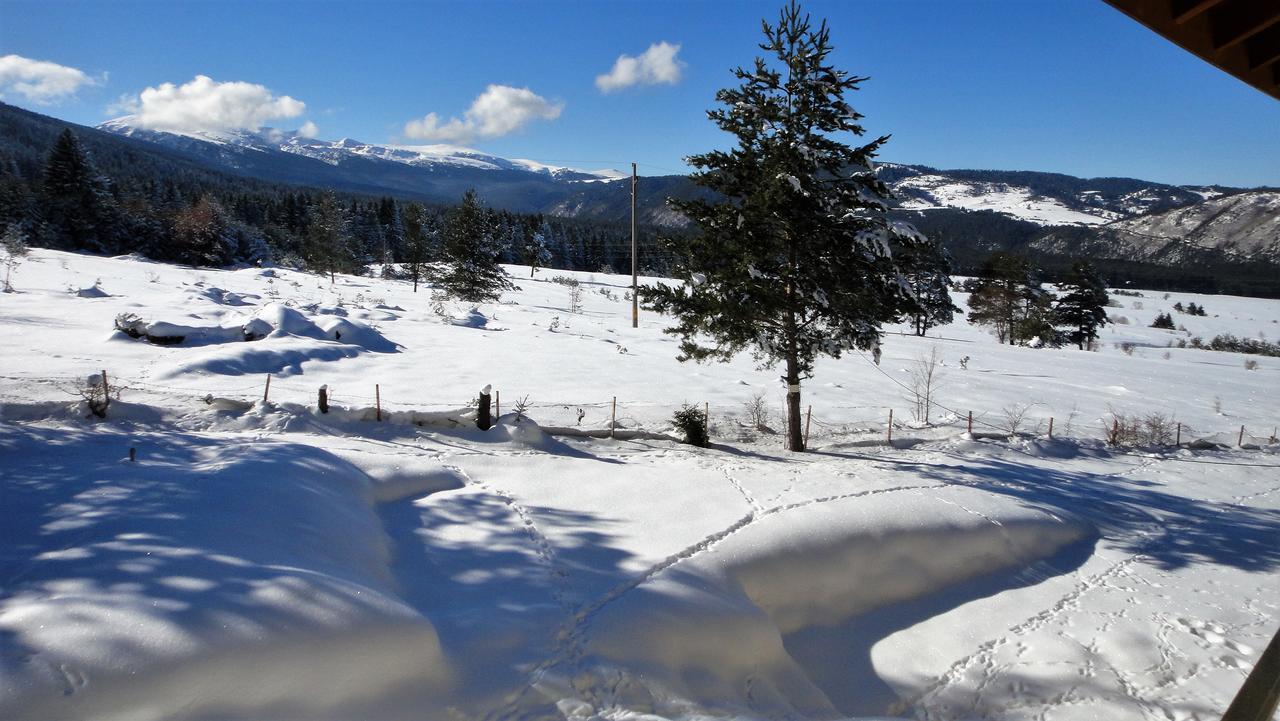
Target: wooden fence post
1178	438
1240	442
613	417
1051	427
890	429
497	404
808	416
106	393
706	420
970	422
266	391
324	399
483	420
1115	431
377	402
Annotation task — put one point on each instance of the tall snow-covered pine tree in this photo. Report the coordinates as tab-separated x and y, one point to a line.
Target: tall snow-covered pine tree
795	261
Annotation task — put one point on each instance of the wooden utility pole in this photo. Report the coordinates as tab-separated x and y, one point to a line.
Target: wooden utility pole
635	285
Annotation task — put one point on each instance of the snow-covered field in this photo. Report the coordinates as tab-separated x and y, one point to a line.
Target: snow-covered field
265	561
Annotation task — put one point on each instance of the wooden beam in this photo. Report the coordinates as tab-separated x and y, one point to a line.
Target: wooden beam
1237	22
1188	9
1263	49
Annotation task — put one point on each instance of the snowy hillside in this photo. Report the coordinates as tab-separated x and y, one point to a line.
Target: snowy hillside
1041	198
1246	225
924	192
387	560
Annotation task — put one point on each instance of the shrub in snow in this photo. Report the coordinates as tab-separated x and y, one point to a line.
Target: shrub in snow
1250	364
925	377
97	394
14	246
1153	429
757	412
692	422
1163	320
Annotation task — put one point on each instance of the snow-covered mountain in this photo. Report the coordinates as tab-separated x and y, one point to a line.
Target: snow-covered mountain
438	173
336	152
1041	198
1241	227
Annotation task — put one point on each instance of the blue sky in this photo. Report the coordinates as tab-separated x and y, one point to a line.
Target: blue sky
1071	87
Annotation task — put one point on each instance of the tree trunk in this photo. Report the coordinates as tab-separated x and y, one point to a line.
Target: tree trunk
795	435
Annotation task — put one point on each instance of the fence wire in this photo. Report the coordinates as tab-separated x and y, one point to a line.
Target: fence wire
601	414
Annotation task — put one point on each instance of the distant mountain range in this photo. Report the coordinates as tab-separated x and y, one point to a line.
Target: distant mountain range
1195	231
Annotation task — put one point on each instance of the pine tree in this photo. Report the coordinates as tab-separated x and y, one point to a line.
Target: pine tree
999	296
417	241
929	277
1083	304
77	204
795	261
471	250
200	234
328	243
535	251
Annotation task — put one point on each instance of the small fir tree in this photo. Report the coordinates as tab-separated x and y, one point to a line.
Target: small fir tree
1082	308
471	250
929	275
328	248
792	260
14	246
417	241
535	251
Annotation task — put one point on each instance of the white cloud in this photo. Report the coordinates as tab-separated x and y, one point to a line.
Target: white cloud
309	130
656	66
40	81
498	111
206	104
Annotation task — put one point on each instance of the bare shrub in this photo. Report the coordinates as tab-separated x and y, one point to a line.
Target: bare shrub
575	297
1070	425
925	379
757	412
1126	347
98	394
1250	364
1014	417
1152	429
1120	320
521	408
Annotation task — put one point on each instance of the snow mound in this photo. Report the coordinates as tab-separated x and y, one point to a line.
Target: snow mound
225	297
135	590
273	321
715	626
93	291
471	318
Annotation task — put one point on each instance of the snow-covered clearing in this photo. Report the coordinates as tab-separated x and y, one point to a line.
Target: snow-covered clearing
262	560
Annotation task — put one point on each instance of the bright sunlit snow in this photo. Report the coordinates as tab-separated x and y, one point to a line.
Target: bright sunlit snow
259	559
